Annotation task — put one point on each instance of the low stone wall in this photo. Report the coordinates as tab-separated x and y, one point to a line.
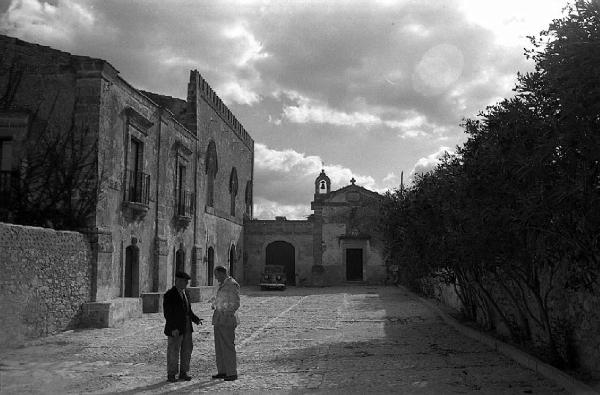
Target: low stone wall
575	310
44	280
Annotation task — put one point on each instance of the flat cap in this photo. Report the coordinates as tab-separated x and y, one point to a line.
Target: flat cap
221	268
183	275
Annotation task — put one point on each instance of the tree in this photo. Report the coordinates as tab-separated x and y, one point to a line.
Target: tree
512	217
58	181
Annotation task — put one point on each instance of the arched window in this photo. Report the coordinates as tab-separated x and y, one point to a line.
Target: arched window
212	167
233	189
248	198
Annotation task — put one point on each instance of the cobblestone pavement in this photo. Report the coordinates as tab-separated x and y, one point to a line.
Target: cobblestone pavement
358	339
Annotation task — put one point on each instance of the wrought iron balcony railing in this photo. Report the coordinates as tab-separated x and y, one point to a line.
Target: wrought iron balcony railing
184	205
138	187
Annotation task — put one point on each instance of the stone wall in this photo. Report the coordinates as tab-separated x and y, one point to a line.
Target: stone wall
45	279
576	310
258	234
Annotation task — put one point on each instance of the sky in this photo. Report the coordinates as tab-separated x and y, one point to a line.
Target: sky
367	89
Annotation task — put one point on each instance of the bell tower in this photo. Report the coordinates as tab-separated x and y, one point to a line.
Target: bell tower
322	185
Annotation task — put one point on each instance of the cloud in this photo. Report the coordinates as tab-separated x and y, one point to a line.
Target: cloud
428	163
307	111
267	209
60	23
304	110
287	177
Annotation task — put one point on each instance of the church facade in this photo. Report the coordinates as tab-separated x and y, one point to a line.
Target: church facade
339	243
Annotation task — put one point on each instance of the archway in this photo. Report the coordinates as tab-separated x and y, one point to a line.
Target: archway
131	286
210	265
283	253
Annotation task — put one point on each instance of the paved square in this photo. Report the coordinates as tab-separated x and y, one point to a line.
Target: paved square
355	339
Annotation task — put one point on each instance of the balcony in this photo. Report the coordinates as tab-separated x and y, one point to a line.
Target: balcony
137	193
184	207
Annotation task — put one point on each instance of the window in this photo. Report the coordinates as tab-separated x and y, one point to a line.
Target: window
211	168
13	131
138	185
137	182
6	154
7	176
184	199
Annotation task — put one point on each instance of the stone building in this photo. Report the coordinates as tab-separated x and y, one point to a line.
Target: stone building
338	243
174	176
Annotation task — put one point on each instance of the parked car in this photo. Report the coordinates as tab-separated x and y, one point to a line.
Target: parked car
273	277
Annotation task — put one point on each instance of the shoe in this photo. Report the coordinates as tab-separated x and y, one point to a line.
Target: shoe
171	378
231	378
184	376
219	376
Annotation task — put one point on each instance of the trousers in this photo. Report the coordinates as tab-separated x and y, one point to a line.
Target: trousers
179	352
225	353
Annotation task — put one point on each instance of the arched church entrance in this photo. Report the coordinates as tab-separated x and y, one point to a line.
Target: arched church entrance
283	253
210	266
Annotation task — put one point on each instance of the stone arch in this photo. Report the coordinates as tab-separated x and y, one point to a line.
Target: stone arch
282	253
210	265
131	280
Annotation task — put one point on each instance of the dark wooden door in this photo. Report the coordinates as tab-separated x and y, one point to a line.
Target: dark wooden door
354	264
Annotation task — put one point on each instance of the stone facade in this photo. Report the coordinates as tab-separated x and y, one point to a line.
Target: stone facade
175	175
338	243
44	280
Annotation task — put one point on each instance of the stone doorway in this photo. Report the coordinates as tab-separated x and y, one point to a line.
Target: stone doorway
131	286
354	264
283	253
210	266
232	256
180	260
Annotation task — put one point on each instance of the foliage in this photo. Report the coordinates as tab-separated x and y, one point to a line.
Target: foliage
512	218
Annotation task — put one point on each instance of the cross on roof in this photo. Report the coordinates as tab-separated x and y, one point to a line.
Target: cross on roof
352	180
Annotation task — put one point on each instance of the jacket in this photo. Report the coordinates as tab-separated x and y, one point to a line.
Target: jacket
226	303
174	310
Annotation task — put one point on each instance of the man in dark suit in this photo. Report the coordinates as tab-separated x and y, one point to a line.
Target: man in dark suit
179	315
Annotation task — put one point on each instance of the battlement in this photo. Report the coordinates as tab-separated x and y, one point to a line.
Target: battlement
207	92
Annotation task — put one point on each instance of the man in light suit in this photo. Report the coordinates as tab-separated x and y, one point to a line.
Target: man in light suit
225	320
179	315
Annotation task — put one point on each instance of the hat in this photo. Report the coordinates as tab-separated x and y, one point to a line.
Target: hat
221	268
183	275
